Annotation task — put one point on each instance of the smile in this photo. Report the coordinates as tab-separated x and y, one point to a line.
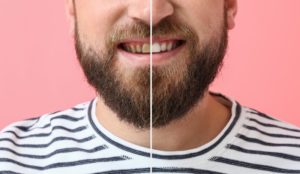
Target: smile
157	47
137	52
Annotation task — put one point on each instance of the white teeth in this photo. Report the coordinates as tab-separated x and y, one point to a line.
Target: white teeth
156	47
163	46
169	46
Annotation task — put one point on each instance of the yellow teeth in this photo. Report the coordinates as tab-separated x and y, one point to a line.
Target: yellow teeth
145	48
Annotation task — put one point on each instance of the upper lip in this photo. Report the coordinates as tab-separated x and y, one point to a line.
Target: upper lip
147	40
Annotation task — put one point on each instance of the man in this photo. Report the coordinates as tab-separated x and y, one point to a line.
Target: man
151	119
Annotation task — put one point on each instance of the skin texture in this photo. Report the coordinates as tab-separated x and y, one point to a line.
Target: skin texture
96	18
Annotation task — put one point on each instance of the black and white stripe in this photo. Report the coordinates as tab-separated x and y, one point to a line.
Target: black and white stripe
72	141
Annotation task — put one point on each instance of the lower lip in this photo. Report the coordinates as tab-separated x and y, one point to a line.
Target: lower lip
144	59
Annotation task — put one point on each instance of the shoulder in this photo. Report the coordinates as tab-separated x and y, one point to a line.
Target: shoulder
267	136
263	143
49	120
43	131
261	122
45	142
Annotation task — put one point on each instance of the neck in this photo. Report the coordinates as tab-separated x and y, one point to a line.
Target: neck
206	120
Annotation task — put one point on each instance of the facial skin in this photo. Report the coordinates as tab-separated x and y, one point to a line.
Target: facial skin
103	29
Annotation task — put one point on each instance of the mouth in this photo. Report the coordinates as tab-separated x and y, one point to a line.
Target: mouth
137	52
157	46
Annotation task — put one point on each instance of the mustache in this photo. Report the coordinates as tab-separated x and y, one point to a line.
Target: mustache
141	30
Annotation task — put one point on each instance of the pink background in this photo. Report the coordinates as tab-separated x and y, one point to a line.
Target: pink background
39	72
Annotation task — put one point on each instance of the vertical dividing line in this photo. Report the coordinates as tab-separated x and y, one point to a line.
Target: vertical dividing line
151	105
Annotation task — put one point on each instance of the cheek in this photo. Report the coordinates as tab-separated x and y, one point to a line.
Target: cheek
208	26
204	16
96	18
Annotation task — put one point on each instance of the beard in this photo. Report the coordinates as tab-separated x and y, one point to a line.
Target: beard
177	87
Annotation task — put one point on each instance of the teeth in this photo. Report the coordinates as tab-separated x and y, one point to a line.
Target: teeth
146	48
138	48
156	47
132	48
163	46
127	48
169	46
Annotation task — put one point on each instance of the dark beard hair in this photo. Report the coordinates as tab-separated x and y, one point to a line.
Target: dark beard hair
172	98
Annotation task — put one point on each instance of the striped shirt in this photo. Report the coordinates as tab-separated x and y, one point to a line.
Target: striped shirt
74	142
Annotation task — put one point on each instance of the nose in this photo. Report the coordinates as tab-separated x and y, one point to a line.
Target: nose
140	10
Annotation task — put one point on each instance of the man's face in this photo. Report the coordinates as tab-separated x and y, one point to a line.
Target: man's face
112	43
